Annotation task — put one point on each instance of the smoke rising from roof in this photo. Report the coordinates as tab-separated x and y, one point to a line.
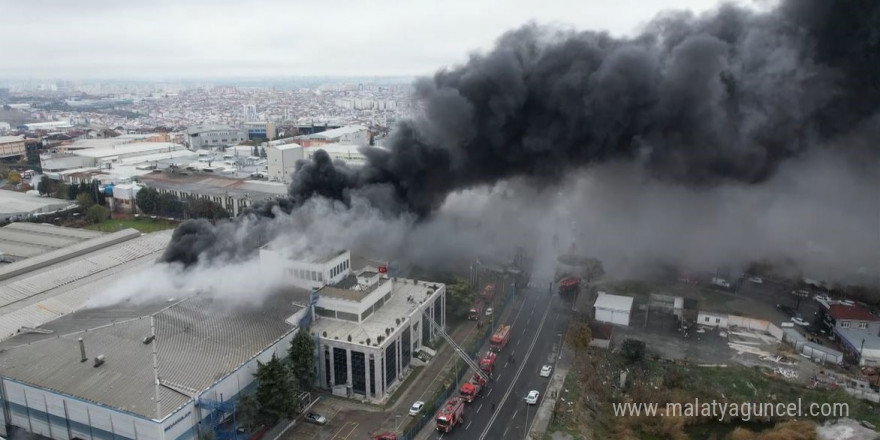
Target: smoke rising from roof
695	116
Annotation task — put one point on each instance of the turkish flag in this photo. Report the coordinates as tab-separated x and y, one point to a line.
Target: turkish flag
383	269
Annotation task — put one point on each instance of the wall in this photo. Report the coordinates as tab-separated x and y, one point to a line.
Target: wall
612	316
712	319
62	417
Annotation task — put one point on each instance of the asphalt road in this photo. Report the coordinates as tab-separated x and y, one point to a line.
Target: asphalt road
538	322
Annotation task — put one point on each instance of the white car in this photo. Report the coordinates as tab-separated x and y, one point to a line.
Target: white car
756	280
546	370
490	311
822	298
532	398
416	408
800	321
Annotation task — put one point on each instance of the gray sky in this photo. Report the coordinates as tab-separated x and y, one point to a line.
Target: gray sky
211	38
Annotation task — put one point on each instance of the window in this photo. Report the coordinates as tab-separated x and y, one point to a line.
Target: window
391	364
844	324
707	319
717	320
321	276
863	325
340	366
314	276
358	372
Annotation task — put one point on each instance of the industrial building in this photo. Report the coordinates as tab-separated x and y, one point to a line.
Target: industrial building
154	371
858	331
282	159
207	136
16	205
368	326
22	240
350	134
232	194
348	153
12	146
113	154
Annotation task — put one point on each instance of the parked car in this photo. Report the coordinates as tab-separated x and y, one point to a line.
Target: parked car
532	397
847	302
316	418
823	298
756	280
416	408
490	311
721	282
801	292
799	321
546	370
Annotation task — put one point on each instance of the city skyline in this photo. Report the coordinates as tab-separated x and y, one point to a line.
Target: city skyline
99	39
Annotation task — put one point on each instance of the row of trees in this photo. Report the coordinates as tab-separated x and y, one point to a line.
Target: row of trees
88	196
149	201
279	383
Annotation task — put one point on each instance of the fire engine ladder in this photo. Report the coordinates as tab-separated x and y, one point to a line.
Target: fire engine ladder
461	353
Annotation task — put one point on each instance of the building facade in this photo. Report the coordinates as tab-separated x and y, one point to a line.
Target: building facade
282	159
207	136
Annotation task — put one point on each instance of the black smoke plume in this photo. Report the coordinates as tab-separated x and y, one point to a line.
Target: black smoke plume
724	97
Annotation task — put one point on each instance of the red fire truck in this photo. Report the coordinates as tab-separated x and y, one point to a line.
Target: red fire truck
470	390
500	338
451	414
487	363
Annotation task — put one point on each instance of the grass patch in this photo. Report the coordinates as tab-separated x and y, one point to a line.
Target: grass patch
141	224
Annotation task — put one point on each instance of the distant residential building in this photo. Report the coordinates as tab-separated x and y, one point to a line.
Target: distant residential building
51	125
282	158
249	113
207	136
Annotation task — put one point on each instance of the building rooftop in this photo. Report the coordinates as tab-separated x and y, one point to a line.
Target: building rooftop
10	139
198	341
204	128
16	203
406	296
283	147
336	132
214	185
130	148
855	313
348	289
613	302
23	240
40	289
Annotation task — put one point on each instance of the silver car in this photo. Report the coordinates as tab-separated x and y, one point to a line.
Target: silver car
532	397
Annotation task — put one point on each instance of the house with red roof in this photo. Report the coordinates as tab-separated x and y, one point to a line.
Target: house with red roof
858	331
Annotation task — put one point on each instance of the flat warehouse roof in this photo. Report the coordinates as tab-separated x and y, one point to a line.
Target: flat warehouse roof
614	302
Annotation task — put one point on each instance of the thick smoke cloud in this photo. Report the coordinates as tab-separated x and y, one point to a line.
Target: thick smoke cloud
693	103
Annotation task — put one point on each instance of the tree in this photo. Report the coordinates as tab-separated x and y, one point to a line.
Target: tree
72	191
458	298
85	200
579	336
13	177
633	350
60	191
207	209
97	213
372	139
147	200
44	187
301	355
169	205
248	410
276	390
263	152
255	152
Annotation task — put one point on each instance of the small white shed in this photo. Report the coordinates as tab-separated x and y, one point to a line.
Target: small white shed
613	309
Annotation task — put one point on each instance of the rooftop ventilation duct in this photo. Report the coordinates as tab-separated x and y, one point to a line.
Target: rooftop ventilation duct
149	339
82	351
99	360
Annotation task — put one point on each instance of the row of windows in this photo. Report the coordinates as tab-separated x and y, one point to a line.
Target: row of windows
302	274
846	324
338	268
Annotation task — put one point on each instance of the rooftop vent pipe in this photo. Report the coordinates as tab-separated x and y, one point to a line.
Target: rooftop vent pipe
99	360
82	351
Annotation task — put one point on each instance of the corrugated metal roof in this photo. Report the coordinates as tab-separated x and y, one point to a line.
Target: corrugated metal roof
198	342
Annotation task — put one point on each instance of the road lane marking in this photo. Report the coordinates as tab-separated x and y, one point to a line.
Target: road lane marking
518	373
489	393
498	378
468	425
479	408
